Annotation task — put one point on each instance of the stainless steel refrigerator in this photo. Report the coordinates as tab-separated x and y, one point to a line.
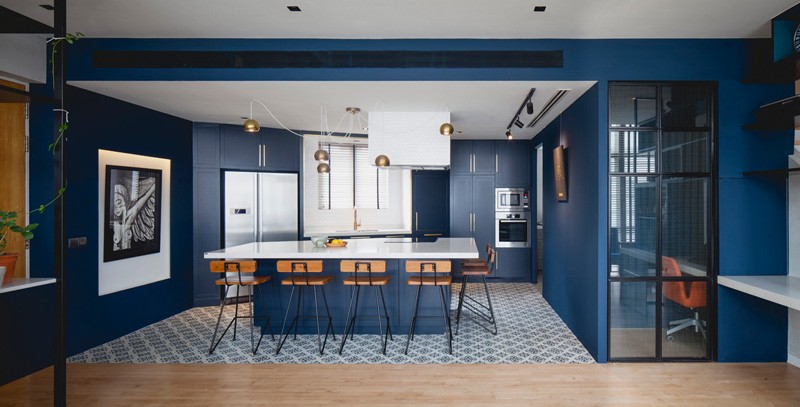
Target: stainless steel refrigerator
260	207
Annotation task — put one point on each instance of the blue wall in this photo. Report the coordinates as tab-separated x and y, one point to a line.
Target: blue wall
100	122
570	282
746	215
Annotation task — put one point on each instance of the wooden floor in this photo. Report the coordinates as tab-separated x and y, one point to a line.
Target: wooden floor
706	384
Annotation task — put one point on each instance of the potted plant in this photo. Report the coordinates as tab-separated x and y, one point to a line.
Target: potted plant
8	224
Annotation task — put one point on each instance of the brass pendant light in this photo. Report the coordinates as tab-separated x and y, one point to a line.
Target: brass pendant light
251	126
446	129
323	168
382	161
321	155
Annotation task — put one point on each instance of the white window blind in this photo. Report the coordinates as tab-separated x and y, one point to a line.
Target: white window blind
353	179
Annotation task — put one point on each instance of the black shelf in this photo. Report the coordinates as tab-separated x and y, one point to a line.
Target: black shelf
776	116
780	172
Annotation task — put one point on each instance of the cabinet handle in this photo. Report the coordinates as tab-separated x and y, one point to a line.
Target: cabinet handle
473	162
432	234
259	155
496	260
416	221
264	146
497	163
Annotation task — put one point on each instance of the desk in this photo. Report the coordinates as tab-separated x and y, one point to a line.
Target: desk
399	296
783	290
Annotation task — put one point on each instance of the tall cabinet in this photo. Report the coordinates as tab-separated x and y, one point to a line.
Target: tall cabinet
472	176
430	197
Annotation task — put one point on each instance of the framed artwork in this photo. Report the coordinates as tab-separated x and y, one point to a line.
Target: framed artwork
560	171
132	225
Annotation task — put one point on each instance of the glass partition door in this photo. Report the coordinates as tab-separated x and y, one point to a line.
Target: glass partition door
662	228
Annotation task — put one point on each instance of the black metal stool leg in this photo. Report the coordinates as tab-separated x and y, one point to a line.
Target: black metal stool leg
330	318
347	321
460	302
285	317
252	321
221	307
299	312
491	309
268	323
381	334
355	310
236	314
448	328
316	314
413	320
385	312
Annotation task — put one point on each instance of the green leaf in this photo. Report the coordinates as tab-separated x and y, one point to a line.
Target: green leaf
32	226
41	208
27	235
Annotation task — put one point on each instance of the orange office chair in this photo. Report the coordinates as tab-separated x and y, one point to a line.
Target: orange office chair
687	294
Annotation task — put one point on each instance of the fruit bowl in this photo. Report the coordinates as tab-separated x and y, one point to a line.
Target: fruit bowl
341	243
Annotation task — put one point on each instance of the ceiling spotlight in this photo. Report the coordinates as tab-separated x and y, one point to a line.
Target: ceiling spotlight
529	107
323	168
251	126
518	123
382	161
446	129
509	136
539	9
321	155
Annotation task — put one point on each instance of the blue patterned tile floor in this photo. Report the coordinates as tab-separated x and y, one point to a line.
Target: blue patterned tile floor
529	332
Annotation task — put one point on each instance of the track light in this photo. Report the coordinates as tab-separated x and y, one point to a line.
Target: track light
446	129
518	123
509	136
529	107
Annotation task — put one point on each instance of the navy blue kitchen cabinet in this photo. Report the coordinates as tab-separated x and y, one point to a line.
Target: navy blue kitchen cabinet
513	264
472	157
281	150
513	164
241	150
207	224
472	209
430	204
206	145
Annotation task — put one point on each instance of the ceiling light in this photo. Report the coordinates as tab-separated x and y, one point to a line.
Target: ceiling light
323	168
539	9
293	8
509	136
321	155
446	129
518	123
529	107
251	126
382	161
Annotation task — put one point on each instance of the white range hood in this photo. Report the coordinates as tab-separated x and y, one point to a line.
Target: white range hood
410	139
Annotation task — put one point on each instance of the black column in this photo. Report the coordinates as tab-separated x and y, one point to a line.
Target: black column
59	82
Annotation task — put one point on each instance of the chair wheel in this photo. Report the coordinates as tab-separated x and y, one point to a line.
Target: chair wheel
670	338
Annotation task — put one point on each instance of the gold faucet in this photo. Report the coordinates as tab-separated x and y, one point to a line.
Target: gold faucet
356	222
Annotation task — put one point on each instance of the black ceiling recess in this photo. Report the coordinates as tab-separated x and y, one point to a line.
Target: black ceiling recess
328	59
12	22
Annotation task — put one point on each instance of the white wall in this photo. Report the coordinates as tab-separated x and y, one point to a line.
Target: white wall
396	217
29	63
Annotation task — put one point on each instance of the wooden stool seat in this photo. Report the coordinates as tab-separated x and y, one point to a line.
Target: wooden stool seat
484	271
384	280
250	280
310	280
416	280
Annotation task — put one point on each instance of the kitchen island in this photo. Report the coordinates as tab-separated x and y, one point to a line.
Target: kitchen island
399	296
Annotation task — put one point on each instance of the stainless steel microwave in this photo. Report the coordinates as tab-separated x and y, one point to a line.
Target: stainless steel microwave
511	199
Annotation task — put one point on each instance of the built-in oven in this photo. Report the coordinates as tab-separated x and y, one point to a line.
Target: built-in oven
513	229
511	199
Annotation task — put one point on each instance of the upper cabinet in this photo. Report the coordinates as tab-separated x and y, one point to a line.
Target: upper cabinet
472	157
513	164
269	149
206	145
430	204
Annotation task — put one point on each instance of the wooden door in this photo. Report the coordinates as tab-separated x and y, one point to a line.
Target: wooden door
12	174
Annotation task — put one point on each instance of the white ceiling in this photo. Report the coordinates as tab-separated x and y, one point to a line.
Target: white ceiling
414	18
479	109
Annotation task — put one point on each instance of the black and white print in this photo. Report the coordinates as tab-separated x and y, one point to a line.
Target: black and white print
132	212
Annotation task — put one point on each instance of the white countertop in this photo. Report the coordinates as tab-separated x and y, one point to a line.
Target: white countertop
25	283
375	248
360	232
783	290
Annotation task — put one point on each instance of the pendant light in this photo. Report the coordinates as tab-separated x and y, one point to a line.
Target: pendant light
321	155
446	129
251	125
382	161
323	168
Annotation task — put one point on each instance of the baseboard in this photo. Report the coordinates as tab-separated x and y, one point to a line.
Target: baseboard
793	360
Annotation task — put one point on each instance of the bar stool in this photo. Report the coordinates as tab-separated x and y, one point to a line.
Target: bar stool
239	267
467	262
377	282
437	268
300	277
470	304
